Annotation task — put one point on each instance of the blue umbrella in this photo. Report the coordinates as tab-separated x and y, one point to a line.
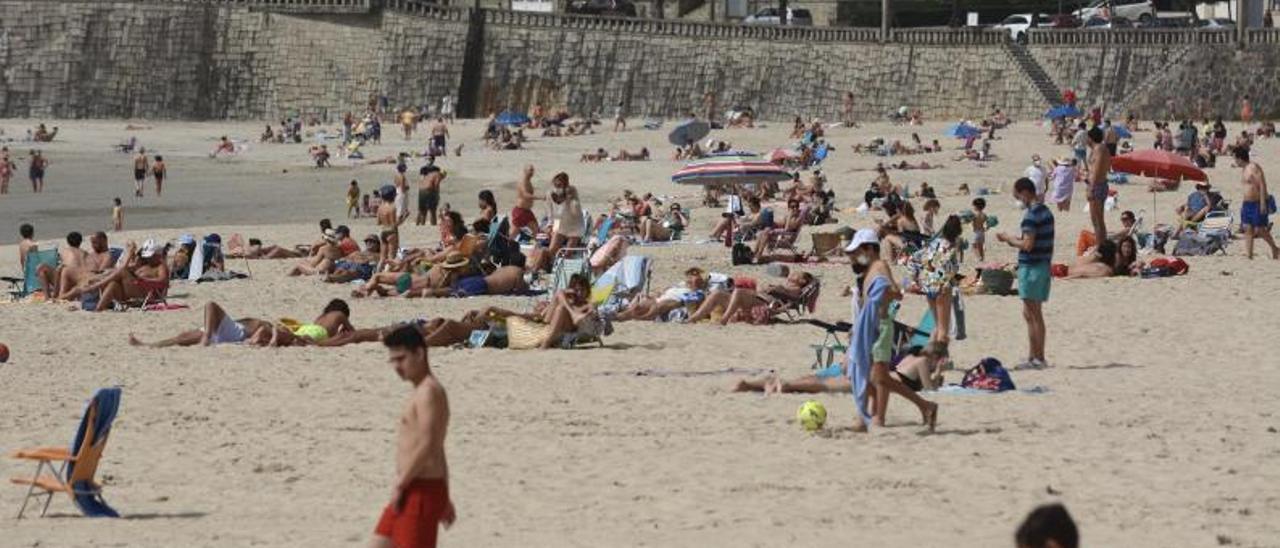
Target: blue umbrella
512	118
963	131
1063	111
1122	132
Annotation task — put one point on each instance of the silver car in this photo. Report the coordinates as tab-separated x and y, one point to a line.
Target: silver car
797	17
1143	11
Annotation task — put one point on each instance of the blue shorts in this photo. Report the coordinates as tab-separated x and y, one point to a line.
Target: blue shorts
471	286
1252	214
1033	282
1099	191
831	371
364	271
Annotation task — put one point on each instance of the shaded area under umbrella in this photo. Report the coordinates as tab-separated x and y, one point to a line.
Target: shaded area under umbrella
512	118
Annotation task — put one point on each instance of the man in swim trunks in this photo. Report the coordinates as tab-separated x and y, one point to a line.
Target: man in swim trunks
505	280
522	214
159	171
70	257
35	171
389	227
439	135
1255	207
429	193
218	328
139	171
356	266
420	498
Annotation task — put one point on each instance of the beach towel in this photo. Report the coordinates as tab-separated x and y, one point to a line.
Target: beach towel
866	329
87	497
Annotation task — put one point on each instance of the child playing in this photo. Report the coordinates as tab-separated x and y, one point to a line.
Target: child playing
353	199
365	207
979	228
117	216
931	207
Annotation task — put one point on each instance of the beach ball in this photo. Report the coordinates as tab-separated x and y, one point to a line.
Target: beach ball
4	353
811	415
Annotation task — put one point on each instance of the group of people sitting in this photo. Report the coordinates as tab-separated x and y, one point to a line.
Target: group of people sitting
623	155
883	147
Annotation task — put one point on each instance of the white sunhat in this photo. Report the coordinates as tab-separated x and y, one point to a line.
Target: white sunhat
861	238
148	249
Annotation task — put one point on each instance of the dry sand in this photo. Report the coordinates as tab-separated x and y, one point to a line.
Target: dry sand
1157	427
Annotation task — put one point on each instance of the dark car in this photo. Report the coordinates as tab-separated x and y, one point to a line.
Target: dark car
616	8
1112	23
1168	23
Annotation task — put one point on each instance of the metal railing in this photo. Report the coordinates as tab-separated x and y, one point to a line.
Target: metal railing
1129	37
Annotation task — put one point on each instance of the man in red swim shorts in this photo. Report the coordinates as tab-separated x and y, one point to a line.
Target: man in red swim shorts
522	214
420	501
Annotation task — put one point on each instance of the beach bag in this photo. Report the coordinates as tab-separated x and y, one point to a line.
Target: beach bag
1174	265
742	254
988	375
997	281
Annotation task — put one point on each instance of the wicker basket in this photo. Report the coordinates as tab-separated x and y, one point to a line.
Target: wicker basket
523	334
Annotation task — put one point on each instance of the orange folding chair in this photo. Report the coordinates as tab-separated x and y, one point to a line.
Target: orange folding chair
77	465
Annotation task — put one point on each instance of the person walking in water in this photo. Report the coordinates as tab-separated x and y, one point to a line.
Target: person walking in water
140	168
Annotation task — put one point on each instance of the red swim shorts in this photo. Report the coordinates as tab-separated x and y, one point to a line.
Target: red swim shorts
522	217
417	524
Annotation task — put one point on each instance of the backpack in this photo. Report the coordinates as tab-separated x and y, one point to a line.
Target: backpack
1174	266
742	254
988	375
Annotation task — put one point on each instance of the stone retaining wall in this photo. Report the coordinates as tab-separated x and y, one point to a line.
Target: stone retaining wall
235	59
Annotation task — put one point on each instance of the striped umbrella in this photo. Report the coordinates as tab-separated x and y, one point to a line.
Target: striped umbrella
730	168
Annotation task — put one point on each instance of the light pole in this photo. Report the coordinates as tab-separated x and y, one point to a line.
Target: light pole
884	20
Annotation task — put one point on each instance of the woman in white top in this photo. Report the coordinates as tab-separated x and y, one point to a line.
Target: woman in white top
568	227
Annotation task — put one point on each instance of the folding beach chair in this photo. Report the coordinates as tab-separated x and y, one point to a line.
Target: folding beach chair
569	261
78	464
30	283
802	306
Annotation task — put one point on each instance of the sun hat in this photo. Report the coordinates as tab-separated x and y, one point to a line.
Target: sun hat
862	237
148	249
186	239
454	260
330	236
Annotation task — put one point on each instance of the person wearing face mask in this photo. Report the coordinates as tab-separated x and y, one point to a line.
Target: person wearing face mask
871	339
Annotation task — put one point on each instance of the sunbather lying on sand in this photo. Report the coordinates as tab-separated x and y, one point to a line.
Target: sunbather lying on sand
599	155
505	280
1098	263
356	266
917	372
624	156
220	328
443	275
236	249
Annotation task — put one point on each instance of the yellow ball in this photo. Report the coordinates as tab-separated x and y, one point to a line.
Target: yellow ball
811	416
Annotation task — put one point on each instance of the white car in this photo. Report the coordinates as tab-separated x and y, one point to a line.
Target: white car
796	17
1018	24
1142	11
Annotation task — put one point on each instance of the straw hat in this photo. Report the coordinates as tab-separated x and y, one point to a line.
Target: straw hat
454	260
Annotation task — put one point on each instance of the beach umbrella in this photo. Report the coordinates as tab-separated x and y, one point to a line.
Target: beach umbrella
963	131
730	169
512	118
1158	163
689	131
1122	132
1063	111
781	155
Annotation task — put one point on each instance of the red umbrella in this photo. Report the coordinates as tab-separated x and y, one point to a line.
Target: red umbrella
1158	163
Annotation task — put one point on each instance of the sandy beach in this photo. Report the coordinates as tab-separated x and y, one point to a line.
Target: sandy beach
1155	426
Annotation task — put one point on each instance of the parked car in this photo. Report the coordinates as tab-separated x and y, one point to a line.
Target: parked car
1112	23
1018	24
1134	10
797	17
617	8
1162	22
1218	23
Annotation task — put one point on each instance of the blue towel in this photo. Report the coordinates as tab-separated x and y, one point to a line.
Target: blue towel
87	498
866	328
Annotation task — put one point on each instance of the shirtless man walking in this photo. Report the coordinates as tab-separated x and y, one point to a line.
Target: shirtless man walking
1254	210
429	194
439	135
1099	165
522	213
420	499
139	171
35	171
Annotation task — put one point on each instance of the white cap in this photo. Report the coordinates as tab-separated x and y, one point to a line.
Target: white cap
861	238
148	249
